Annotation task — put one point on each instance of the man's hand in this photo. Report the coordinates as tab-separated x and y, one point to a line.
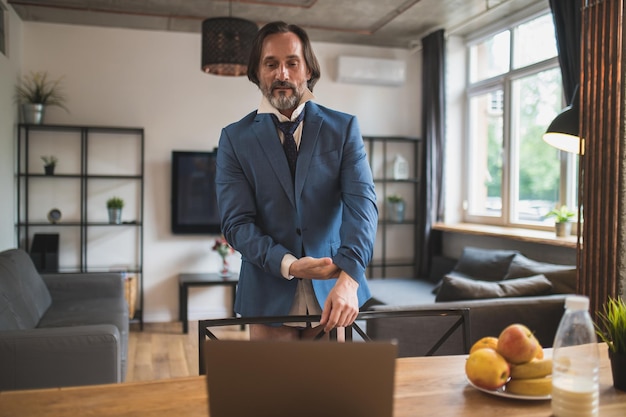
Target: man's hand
314	268
342	305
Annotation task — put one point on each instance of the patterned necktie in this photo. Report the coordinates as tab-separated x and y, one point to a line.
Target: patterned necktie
289	143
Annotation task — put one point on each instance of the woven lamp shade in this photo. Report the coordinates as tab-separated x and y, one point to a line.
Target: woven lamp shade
226	44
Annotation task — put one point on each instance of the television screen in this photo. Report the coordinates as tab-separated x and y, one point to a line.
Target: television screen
194	201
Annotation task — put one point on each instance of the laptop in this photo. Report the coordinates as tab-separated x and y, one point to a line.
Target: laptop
300	378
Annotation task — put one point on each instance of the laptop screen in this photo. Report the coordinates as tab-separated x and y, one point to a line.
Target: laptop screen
300	379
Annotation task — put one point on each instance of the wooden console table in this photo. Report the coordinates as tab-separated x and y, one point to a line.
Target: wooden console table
424	386
201	280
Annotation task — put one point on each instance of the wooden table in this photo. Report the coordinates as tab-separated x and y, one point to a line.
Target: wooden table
201	280
425	386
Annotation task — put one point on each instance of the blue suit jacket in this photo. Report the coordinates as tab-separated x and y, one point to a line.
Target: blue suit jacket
331	211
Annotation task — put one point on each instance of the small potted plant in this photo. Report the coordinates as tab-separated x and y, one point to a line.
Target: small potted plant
562	220
611	329
115	206
395	208
34	92
49	163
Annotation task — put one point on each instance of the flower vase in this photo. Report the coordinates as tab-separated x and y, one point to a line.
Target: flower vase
224	272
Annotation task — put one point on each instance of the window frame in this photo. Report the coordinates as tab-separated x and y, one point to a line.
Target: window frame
504	82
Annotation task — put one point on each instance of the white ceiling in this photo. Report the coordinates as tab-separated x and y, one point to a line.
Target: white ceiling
388	23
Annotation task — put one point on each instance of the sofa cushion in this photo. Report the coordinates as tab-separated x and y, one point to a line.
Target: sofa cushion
91	311
450	274
23	293
399	291
455	288
439	267
562	277
485	264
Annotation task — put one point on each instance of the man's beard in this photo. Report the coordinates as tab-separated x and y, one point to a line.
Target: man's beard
283	102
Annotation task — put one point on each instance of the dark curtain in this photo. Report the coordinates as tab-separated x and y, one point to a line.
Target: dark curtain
430	200
567	18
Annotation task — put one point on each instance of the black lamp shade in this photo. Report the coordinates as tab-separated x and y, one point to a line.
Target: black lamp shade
563	132
226	44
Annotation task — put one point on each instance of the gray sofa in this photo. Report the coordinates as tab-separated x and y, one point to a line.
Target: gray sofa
60	329
498	287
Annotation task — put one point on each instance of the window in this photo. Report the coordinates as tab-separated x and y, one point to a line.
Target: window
513	177
486	57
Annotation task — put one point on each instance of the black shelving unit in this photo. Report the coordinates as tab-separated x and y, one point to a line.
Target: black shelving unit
394	236
87	175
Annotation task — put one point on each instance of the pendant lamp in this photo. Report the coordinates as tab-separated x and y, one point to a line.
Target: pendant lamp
563	132
226	45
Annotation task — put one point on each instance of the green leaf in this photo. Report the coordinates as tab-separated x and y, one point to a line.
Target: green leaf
612	325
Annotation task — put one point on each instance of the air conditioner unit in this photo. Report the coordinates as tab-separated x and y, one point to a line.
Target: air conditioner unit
373	71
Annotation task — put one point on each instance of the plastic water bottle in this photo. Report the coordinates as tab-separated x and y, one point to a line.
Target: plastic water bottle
575	389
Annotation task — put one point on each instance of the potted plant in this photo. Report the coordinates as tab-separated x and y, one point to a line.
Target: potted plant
49	163
562	220
115	206
395	208
611	329
34	92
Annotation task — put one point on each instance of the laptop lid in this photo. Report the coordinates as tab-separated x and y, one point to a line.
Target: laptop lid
301	378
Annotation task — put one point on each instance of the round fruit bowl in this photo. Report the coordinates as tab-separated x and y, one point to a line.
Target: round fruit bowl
501	392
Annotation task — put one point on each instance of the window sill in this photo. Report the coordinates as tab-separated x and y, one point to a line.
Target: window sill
526	235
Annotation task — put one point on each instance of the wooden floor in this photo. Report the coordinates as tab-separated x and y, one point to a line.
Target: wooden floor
162	351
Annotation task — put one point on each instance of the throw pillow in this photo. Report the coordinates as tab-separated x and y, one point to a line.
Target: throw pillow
485	264
439	267
449	274
562	277
563	282
457	288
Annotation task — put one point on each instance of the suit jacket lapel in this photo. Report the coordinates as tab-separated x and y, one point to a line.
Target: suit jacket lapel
310	135
269	141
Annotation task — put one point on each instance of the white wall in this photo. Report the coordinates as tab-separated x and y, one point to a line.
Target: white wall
9	70
153	80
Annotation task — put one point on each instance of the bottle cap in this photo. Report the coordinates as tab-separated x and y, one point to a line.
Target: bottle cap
577	302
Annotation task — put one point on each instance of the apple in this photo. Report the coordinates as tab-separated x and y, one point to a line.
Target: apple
485	342
517	344
487	369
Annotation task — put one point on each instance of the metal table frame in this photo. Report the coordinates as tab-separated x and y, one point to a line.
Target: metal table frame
462	321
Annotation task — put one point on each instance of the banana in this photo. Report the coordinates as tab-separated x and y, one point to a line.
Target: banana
537	368
532	387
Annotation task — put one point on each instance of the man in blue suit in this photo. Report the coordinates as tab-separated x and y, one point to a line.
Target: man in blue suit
306	231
